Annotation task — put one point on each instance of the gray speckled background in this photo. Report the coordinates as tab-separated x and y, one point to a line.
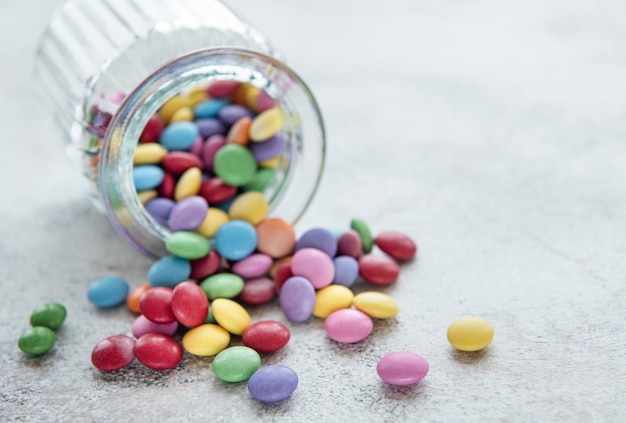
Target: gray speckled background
492	132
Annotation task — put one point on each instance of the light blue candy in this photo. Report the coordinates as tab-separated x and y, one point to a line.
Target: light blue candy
108	292
169	271
179	136
208	108
235	240
147	177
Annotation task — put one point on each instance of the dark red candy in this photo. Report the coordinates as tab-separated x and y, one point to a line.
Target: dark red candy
189	304
206	266
283	272
152	130
113	353
266	336
378	269
166	189
156	305
177	162
396	245
349	244
158	351
258	291
215	190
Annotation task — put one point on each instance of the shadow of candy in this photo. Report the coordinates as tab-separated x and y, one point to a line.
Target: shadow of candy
469	357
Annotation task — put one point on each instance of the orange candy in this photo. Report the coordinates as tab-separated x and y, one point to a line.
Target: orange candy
276	237
133	298
238	134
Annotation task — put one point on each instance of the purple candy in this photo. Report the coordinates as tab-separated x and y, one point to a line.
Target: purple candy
272	383
265	150
346	270
232	113
210	148
297	299
188	214
160	209
196	147
253	266
319	238
141	326
210	126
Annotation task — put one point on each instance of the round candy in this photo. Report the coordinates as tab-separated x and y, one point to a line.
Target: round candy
250	206
396	244
147	177
470	333
141	326
349	244
282	274
171	106
214	220
50	315
210	126
378	269
297	299
113	353
363	230
133	298
189	304
205	266
179	136
331	299
178	162
276	237
152	130
319	238
156	305
376	304
346	270
272	383
210	149
166	189
188	185
348	326
208	108
214	190
230	315
206	340
235	240
238	133
158	352
169	271
265	150
187	245
222	285
223	88
402	368
258	291
266	124
151	153
188	213
253	266
108	292
266	336
234	164
160	209
231	113
236	364
37	340
314	265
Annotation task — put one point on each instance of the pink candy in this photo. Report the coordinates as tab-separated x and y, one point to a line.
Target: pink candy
314	265
402	368
348	326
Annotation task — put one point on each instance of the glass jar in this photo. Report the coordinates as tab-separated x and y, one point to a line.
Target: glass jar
104	67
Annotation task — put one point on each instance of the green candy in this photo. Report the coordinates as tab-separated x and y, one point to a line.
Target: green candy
235	165
260	180
37	340
236	364
188	245
50	315
363	230
222	285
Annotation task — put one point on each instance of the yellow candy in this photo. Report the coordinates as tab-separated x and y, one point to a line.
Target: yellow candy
277	263
251	206
170	107
145	196
184	114
214	219
251	94
330	299
197	95
230	315
470	333
206	340
271	163
376	304
149	153
188	184
266	124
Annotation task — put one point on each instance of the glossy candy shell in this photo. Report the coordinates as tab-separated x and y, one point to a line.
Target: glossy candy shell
156	305
470	333
108	292
396	244
266	336
158	352
50	315
189	304
206	340
348	326
113	353
236	364
402	368
297	299
273	383
378	269
36	341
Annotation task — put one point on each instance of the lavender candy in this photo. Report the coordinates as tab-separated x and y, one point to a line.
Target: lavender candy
272	383
188	214
297	299
319	238
210	126
267	149
232	113
160	209
346	270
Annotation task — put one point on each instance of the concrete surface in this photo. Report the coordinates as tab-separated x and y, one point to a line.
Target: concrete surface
492	132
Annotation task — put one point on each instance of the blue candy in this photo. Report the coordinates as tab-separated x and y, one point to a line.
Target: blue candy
272	383
235	240
179	136
346	270
208	108
108	292
169	271
147	177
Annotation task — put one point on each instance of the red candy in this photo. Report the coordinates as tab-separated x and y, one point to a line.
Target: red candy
258	291
189	304
157	351
283	272
396	244
349	244
152	130
378	269
216	191
205	266
222	88
156	305
266	336
177	162
113	353
166	189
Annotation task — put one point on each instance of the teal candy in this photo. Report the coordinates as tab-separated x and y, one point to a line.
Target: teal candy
208	108
179	136
222	285
147	177
108	292
169	271
236	240
236	364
